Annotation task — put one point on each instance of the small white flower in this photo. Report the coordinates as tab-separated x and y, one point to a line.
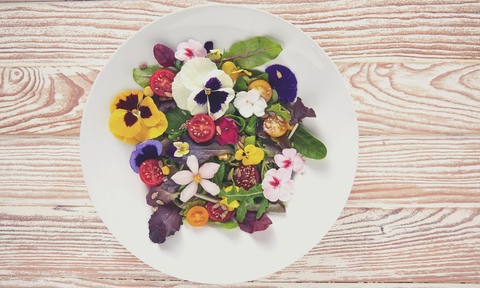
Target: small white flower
249	103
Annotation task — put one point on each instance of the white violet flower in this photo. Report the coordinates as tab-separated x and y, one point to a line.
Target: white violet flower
201	88
249	103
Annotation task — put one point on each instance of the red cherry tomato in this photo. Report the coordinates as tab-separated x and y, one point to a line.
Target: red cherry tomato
151	173
218	212
161	82
201	128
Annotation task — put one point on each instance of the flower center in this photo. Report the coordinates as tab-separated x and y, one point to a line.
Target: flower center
197	178
287	163
275	182
208	91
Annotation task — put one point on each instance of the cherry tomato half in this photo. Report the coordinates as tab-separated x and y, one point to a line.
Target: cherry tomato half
161	82
197	216
151	173
201	128
275	126
218	212
263	87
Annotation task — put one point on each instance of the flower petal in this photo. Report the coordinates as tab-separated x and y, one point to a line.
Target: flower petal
194	71
180	93
189	191
192	163
208	170
183	177
270	193
210	187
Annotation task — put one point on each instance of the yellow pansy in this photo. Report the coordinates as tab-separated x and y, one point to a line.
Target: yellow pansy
251	155
135	119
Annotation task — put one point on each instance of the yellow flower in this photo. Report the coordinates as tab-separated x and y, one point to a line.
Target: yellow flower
231	69
182	149
251	155
135	119
234	203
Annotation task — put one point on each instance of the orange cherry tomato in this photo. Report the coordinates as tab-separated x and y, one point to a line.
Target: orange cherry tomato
197	216
264	88
275	126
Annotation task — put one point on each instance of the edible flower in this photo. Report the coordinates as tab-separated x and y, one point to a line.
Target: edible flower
231	69
182	149
249	103
149	149
283	81
196	176
277	185
251	155
230	206
290	160
203	89
134	120
189	50
226	131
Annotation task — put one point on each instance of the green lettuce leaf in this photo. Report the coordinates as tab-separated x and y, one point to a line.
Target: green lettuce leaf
142	76
253	52
307	145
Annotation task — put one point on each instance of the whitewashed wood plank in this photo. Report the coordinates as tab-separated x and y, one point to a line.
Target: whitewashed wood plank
88	32
365	245
106	283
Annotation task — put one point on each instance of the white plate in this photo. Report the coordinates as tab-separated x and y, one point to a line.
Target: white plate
208	254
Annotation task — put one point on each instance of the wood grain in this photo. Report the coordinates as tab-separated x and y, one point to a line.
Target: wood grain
392	172
389	98
364	245
43	100
88	32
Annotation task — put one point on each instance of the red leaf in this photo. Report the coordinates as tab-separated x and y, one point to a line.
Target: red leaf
164	55
251	224
164	222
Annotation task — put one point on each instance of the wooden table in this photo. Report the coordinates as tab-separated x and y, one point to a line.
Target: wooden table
413	71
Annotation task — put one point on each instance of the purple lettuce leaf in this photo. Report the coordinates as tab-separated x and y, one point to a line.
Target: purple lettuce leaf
164	55
164	222
166	192
251	224
298	111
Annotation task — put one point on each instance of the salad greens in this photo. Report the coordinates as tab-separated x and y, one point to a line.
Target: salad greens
216	141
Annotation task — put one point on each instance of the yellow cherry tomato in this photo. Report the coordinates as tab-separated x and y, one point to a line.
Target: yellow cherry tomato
275	126
264	88
197	216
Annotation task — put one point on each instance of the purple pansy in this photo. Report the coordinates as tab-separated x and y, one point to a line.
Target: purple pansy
283	81
149	149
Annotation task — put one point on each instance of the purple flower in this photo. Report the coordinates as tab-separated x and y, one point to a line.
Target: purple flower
149	149
226	131
283	81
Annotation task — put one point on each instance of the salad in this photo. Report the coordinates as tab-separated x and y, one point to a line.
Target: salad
217	139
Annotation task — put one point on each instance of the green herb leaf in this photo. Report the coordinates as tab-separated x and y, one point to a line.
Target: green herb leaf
218	177
229	224
253	52
240	121
262	208
307	145
243	197
176	117
251	125
277	108
142	76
